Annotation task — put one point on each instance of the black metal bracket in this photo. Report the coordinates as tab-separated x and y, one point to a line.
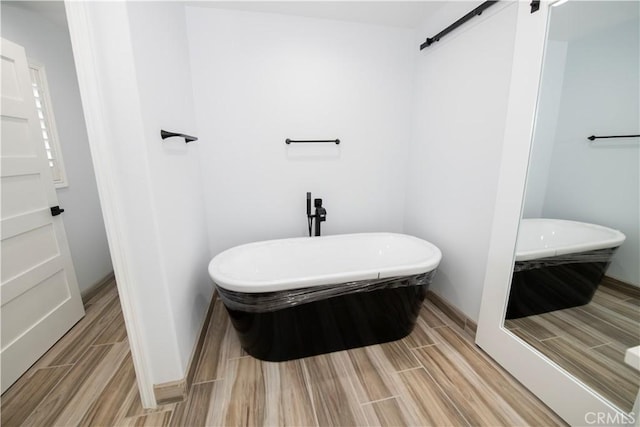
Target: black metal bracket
187	138
304	141
535	6
593	137
55	211
475	12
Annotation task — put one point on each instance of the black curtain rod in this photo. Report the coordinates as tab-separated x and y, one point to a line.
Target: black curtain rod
593	137
475	12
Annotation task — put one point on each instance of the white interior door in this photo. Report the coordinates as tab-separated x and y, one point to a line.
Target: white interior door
38	286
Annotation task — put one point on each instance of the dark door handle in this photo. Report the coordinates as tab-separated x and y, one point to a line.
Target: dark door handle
55	211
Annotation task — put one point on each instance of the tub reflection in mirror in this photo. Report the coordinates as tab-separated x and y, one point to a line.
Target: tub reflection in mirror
575	292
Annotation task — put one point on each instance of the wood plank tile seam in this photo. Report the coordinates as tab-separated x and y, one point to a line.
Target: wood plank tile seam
380	400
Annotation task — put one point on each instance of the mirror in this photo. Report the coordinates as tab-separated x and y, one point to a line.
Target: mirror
575	290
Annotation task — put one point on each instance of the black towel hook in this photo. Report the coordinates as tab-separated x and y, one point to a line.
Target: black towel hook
187	138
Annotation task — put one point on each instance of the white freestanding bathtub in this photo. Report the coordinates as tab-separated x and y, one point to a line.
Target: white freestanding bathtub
298	297
559	264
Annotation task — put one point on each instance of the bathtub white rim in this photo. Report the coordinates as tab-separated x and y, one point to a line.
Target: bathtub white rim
249	286
616	239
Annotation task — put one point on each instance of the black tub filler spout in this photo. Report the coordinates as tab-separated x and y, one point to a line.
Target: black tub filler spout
319	216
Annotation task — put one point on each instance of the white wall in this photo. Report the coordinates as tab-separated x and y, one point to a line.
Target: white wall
48	43
159	38
545	132
600	182
135	81
260	78
461	100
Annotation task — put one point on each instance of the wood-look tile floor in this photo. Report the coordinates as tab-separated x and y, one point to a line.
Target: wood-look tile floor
435	376
589	342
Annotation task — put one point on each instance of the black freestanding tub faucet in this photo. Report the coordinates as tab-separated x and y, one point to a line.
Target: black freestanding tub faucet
319	216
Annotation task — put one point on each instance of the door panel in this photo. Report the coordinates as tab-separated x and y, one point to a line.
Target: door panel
40	296
22	253
15	130
10	82
18	285
24	193
34	305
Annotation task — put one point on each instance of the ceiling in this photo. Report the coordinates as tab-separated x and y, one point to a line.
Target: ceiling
403	14
576	19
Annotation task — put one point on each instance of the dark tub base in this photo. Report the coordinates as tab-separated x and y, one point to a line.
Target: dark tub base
333	324
555	287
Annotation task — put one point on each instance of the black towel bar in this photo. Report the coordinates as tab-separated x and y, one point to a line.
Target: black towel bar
302	141
593	137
